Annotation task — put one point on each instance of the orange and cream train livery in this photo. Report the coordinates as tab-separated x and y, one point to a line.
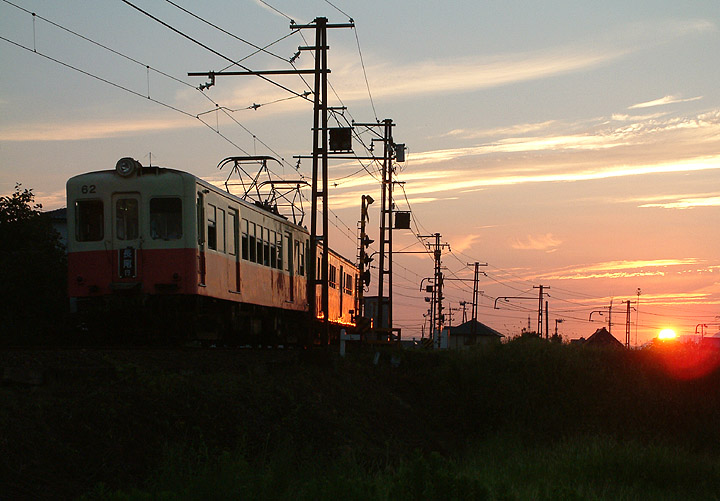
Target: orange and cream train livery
163	252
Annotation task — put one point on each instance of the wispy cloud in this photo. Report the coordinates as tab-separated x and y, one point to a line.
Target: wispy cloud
642	130
687	203
463	243
620	269
664	101
475	73
511	130
96	129
545	242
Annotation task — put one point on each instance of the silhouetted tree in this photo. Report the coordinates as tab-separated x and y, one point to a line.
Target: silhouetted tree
33	269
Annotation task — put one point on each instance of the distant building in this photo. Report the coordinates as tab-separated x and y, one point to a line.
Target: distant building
602	337
471	333
711	341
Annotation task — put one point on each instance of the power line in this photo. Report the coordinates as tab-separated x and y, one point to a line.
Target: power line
259	49
206	47
276	10
362	63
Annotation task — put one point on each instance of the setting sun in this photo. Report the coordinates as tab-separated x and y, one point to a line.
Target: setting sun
666	334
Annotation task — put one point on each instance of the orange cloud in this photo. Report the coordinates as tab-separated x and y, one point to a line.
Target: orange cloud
545	242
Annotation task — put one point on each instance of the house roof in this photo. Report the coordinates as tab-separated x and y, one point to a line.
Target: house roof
602	337
481	329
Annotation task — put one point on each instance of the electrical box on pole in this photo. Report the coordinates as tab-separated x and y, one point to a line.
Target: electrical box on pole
402	220
340	139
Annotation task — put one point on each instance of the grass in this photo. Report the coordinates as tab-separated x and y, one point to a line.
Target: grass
525	420
498	468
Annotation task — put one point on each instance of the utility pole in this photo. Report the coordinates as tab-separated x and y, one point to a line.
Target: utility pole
547	321
363	258
627	324
386	225
637	315
476	287
540	307
464	304
437	297
319	164
385	261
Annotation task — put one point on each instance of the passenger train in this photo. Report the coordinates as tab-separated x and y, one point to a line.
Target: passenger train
171	255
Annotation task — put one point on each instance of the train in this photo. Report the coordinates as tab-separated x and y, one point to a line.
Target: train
160	252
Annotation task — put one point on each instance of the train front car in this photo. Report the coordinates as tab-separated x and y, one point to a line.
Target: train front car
158	253
131	235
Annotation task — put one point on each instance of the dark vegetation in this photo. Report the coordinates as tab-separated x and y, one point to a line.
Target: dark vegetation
527	419
33	270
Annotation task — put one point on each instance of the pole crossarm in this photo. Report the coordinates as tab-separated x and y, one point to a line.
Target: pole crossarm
294	26
211	74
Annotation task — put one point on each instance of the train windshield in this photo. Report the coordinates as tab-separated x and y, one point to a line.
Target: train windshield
166	218
89	220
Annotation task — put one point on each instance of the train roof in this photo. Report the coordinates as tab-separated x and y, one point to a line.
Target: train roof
150	171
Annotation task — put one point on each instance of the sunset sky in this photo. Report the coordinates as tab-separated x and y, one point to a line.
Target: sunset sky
572	144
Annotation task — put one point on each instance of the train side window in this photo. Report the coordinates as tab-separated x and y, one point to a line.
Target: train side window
166	218
221	230
347	289
332	277
318	270
303	248
212	227
231	231
245	244
259	244
89	216
279	250
126	218
296	257
273	249
253	243
266	247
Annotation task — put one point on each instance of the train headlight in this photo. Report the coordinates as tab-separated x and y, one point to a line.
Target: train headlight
127	166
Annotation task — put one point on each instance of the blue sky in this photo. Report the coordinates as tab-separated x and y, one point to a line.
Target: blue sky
573	144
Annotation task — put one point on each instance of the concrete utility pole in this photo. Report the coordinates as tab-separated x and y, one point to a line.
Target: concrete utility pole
637	315
464	304
627	324
476	287
363	259
437	297
385	262
386	226
540	307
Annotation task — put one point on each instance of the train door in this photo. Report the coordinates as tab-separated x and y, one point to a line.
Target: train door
290	264
200	204
126	234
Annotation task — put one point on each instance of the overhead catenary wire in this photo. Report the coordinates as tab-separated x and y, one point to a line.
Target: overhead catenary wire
204	46
259	49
